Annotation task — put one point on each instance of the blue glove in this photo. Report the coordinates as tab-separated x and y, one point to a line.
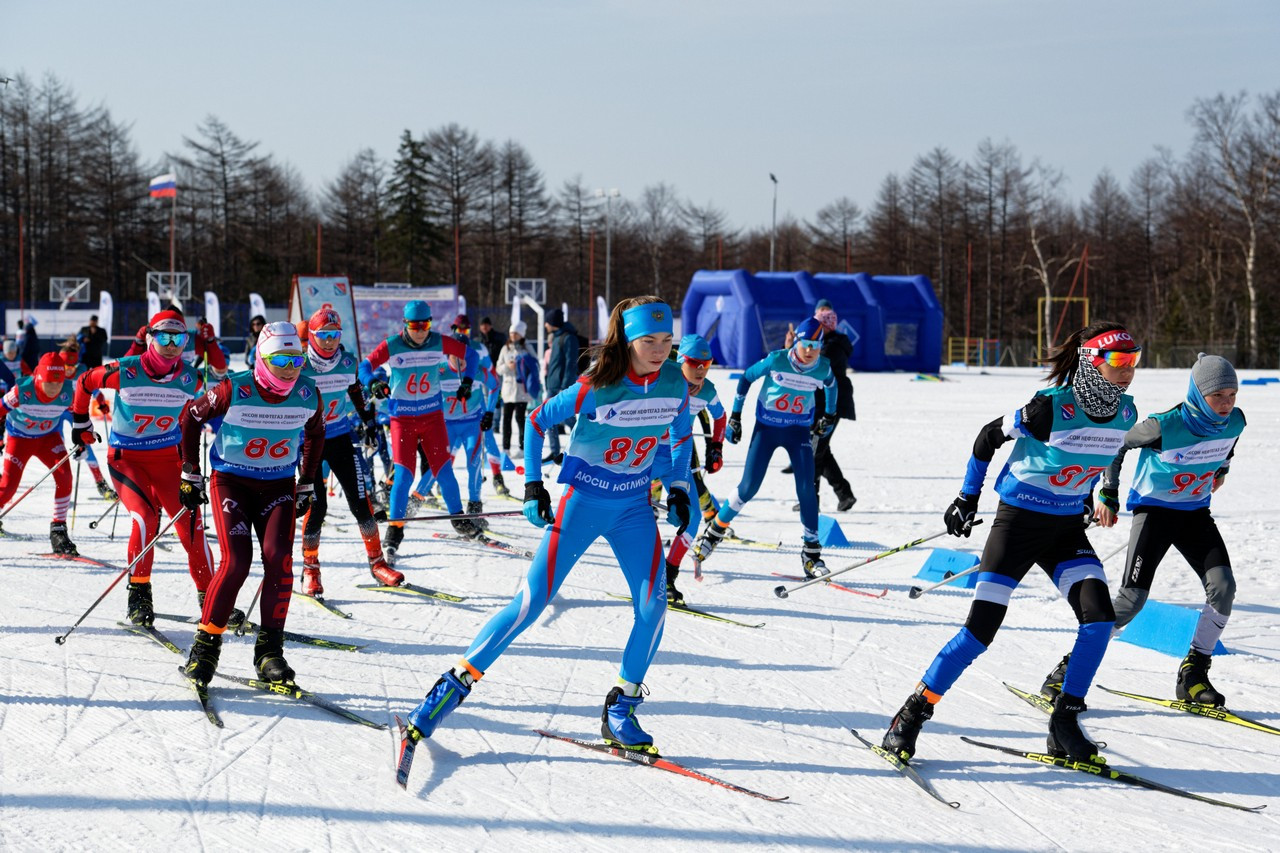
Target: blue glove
537	504
678	509
733	432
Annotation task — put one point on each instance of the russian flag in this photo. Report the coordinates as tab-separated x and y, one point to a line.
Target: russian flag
165	186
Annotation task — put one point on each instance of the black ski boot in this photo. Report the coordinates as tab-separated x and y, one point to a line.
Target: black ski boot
61	542
811	561
268	656
391	543
141	611
202	662
1193	680
844	497
674	596
474	507
1053	681
500	487
710	538
900	740
108	493
1066	739
465	527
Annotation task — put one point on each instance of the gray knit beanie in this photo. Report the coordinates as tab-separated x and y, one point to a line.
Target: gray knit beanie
1213	373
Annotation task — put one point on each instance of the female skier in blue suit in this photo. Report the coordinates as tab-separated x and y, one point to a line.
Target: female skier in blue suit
624	404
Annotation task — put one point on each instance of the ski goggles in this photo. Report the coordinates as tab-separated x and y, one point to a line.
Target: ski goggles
284	359
697	362
326	334
807	344
1114	357
418	325
170	339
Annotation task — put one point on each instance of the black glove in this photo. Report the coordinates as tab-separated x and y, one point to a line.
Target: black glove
537	504
303	497
191	489
678	509
1087	517
959	516
715	456
733	432
379	390
1110	498
369	435
82	433
486	422
464	389
823	426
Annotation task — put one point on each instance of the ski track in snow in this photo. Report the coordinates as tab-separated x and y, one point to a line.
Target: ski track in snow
104	747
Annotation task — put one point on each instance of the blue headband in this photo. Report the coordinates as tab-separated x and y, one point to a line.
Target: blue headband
653	318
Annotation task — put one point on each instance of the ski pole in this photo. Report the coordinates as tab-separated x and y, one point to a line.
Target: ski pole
48	474
114	518
114	505
916	591
459	515
1116	551
249	610
783	592
62	638
75	494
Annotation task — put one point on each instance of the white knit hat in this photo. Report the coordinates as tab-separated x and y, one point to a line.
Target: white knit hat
279	337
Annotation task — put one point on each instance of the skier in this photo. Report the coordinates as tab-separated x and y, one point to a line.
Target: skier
75	368
785	417
694	358
333	370
1186	452
151	391
10	365
413	402
1064	438
629	398
201	347
273	426
33	411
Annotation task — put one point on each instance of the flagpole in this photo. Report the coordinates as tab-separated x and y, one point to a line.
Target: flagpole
173	213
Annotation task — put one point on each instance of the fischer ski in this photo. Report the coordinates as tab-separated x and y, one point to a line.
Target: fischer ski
152	634
292	637
292	691
905	769
651	760
1208	711
692	611
405	744
1035	700
1102	771
881	594
410	589
202	695
486	542
322	604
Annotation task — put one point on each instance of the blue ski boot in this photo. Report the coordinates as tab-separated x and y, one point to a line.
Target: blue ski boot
447	694
620	726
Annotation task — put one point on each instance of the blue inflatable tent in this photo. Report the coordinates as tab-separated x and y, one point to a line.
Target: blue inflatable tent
894	322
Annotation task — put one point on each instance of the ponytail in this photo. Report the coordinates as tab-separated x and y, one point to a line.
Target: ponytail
1065	359
611	359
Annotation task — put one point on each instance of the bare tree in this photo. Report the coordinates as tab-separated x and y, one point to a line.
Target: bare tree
832	234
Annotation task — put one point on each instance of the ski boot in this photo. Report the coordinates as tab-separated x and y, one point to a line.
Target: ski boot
844	497
1053	681
202	662
268	656
709	539
1193	680
391	542
900	740
674	596
61	542
141	612
465	527
384	574
811	560
414	506
619	725
447	694
1066	739
474	507
500	487
311	584
108	494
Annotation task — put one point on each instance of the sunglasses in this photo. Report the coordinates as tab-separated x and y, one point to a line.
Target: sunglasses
284	359
417	325
697	362
1115	357
170	339
327	334
806	344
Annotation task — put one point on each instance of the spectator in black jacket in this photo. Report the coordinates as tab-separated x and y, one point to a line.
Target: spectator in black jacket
93	343
490	337
29	344
562	370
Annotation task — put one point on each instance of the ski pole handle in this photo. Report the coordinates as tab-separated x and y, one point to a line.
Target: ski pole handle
459	515
62	638
46	476
783	592
916	591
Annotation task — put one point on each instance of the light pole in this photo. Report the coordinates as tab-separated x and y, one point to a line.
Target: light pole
773	234
608	196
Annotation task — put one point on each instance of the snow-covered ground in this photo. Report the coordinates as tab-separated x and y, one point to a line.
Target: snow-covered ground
103	747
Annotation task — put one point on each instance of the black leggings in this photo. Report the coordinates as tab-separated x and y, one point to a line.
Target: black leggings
340	453
509	411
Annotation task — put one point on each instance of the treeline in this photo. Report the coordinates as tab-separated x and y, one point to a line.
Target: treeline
1185	249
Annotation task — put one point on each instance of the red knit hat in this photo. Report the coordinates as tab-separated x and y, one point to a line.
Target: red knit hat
324	316
51	368
167	321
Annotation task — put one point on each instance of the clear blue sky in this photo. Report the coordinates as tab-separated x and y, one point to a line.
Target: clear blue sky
708	96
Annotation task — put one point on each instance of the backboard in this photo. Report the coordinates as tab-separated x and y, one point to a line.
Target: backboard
534	288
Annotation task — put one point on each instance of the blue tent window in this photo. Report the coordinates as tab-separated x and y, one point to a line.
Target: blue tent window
900	339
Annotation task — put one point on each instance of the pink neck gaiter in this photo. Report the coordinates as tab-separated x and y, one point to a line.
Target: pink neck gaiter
158	367
269	381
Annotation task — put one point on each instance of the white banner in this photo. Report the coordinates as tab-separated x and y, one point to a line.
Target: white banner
153	306
257	308
212	312
106	310
602	319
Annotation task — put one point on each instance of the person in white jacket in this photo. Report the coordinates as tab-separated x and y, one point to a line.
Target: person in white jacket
515	398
